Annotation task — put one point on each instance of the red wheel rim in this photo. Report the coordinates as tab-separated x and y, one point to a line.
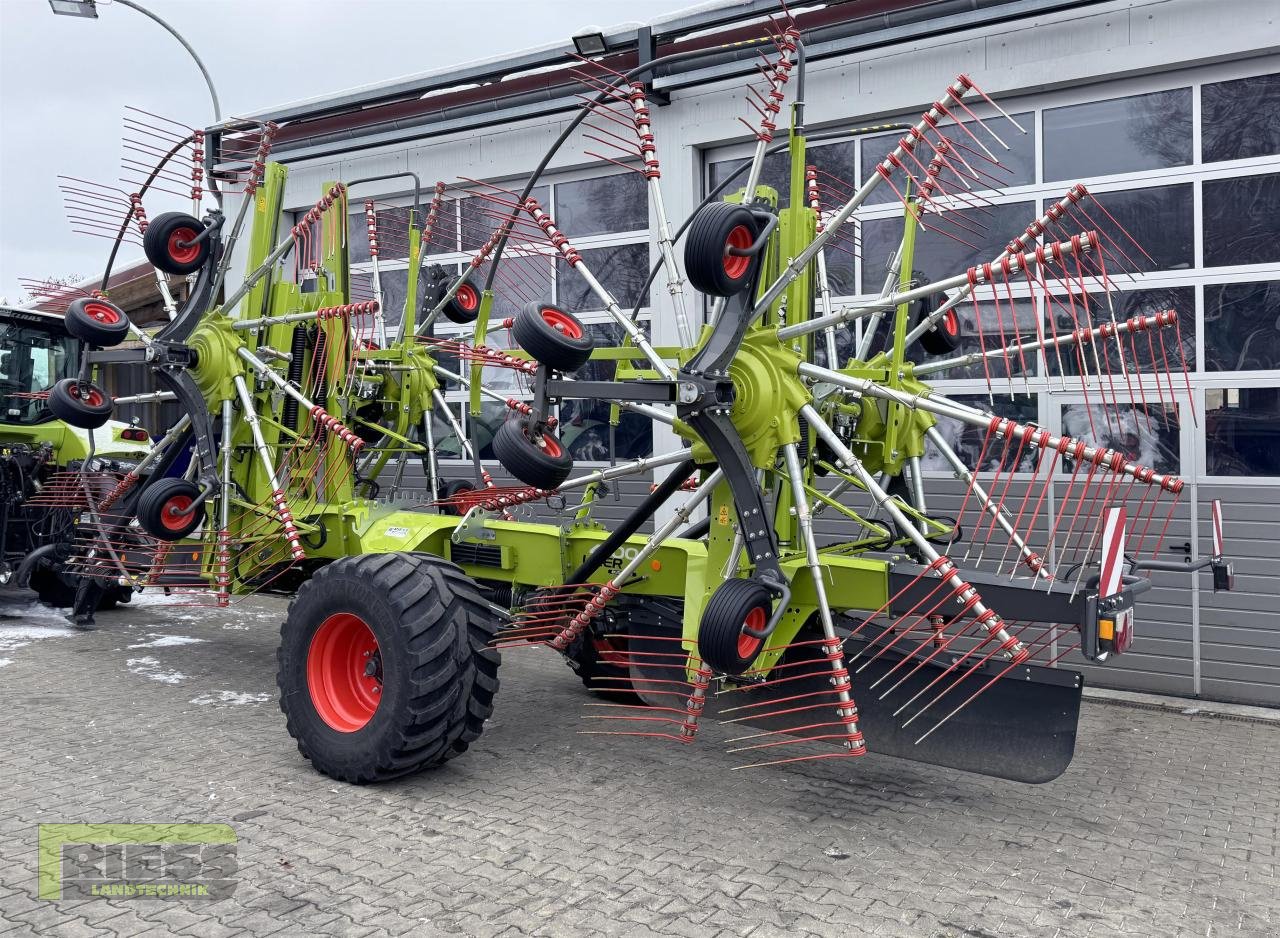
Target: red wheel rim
734	265
562	322
88	394
102	313
176	513
748	645
344	696
550	445
951	322
467	296
181	253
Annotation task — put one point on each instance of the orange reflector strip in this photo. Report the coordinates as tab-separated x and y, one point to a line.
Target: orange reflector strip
1106	629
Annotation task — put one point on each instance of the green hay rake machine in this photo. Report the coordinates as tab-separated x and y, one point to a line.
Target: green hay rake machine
926	636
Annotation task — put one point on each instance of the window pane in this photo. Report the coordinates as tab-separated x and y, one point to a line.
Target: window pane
968	441
1242	220
357	237
1145	435
1124	135
482	429
1019	161
835	173
448	446
481	217
1242	326
774	173
1145	351
1242	431
395	284
393	232
443	237
839	254
605	335
994	319
605	205
1160	219
938	255
622	270
584	429
1240	118
520	279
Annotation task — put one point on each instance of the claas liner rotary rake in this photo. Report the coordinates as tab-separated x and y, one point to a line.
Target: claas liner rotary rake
924	636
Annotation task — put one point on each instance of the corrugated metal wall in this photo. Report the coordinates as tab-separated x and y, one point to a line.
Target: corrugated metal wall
1240	630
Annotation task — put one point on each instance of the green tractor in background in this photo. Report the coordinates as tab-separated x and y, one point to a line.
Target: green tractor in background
42	453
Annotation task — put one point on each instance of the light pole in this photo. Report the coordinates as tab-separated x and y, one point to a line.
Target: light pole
88	9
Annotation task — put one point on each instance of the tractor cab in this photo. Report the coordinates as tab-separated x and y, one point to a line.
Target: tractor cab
36	352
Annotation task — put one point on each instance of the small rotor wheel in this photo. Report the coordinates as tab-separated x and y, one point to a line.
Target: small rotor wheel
167	509
535	458
80	403
735	606
451	490
943	337
97	322
554	337
464	306
171	246
718	231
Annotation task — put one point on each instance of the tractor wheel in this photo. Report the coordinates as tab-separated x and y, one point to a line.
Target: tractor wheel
170	244
385	665
735	605
97	322
552	336
716	228
543	465
465	305
165	509
80	403
944	337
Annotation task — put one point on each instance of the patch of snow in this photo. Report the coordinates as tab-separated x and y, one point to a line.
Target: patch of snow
156	597
150	668
16	636
234	698
163	641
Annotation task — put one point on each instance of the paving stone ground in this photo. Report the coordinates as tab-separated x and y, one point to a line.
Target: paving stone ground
1165	824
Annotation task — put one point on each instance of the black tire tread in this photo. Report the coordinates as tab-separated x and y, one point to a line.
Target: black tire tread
454	672
704	249
722	620
548	346
521	457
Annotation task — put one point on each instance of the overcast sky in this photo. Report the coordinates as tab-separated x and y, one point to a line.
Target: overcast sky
64	82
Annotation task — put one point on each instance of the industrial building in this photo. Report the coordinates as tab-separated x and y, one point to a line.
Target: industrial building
1168	110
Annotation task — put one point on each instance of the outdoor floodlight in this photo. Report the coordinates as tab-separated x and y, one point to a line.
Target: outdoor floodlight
85	8
590	42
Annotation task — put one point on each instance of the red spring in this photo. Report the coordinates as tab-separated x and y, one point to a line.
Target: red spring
367	308
695	704
286	522
336	427
591	610
314	214
556	237
128	482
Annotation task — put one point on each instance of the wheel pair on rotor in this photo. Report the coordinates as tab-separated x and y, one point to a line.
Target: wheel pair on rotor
527	449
